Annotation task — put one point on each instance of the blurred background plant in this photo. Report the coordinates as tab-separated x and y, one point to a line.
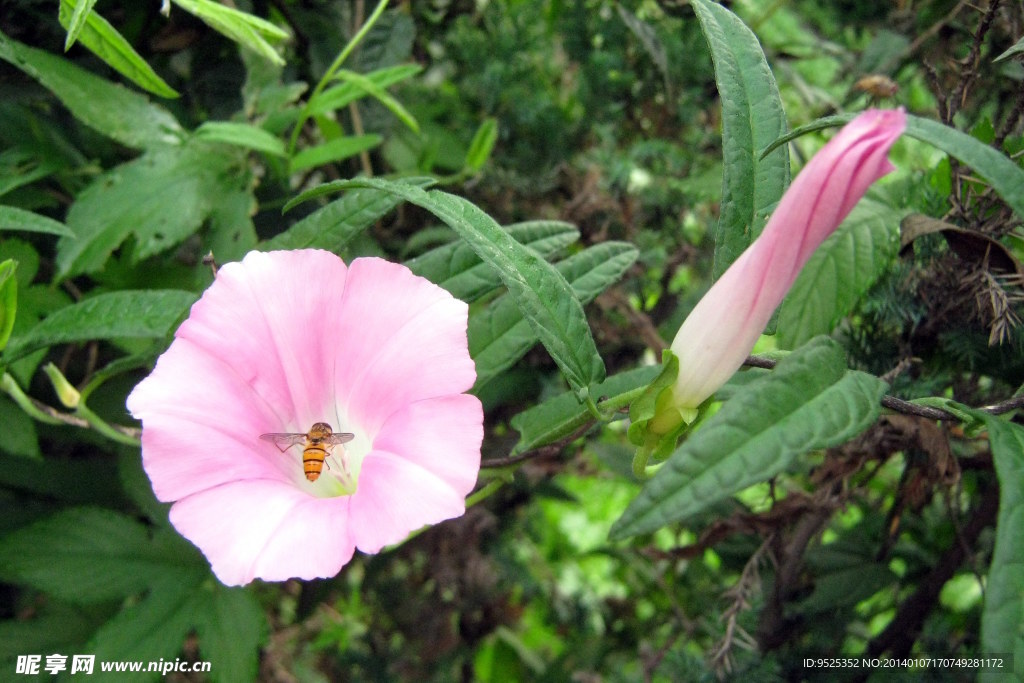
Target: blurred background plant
587	127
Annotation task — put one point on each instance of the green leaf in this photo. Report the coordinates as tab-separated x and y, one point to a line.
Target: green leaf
105	42
230	624
370	87
562	415
809	401
998	170
13	218
1002	619
1015	49
541	292
242	135
161	198
339	96
54	627
459	269
482	145
89	555
148	313
752	117
74	26
8	299
839	272
332	226
20	438
335	150
499	335
109	108
151	629
241	27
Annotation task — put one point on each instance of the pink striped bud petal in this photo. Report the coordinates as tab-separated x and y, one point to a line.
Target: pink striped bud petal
721	330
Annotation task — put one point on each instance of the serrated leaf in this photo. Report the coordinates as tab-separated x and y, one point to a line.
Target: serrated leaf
500	335
241	27
1002	619
332	226
541	292
335	150
562	415
8	299
839	272
141	314
341	95
89	555
482	145
461	271
809	401
13	218
242	135
230	625
105	42
752	117
1004	175
161	198
109	108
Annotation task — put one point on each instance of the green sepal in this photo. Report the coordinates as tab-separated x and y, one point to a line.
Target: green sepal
655	423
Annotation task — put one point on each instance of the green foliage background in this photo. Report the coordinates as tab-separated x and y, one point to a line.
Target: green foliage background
621	153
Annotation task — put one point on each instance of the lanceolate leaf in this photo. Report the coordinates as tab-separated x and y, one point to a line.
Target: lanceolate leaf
809	401
1002	621
105	42
459	269
13	218
241	27
839	273
111	109
77	21
242	135
340	95
752	117
8	299
541	292
332	226
150	313
499	336
335	150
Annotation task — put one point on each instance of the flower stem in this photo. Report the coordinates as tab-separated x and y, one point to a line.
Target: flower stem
489	488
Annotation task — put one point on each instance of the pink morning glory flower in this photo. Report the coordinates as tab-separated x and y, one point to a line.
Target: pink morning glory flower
282	341
719	333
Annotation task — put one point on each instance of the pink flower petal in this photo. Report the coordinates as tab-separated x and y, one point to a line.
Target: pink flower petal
266	529
441	435
416	351
396	497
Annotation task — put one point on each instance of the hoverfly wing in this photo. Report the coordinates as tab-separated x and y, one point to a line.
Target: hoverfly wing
287	439
339	438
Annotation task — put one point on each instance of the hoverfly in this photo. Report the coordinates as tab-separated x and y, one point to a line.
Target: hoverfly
318	443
